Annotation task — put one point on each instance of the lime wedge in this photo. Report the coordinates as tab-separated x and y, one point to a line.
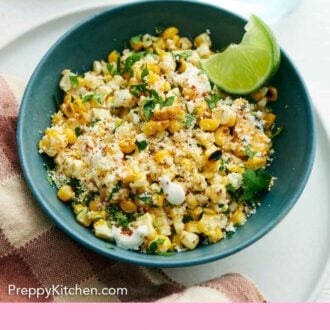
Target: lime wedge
243	68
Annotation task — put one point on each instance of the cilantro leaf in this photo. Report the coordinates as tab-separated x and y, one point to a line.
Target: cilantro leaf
159	29
169	101
119	216
94	121
189	120
115	189
77	131
145	198
254	183
183	55
212	100
136	90
74	81
148	108
144	74
142	145
249	152
276	131
87	97
187	218
131	60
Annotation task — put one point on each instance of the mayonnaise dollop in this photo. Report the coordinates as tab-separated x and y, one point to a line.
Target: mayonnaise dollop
129	242
174	192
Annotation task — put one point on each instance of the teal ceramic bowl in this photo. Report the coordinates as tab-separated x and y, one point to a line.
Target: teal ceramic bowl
93	39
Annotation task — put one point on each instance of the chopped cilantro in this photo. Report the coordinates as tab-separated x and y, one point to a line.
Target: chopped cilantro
148	109
144	74
118	124
118	216
212	100
131	60
189	120
136	90
50	181
153	246
74	81
159	29
115	189
254	183
142	145
229	234
87	97
76	185
90	96
235	193
98	98
145	198
169	101
112	69
136	39
249	152
94	121
276	131
183	55
187	218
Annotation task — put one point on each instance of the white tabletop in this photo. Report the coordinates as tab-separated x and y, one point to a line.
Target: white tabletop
304	35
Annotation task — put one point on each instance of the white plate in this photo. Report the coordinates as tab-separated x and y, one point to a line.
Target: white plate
289	264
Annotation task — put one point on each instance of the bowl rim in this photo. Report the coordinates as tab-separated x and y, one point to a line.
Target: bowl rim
133	258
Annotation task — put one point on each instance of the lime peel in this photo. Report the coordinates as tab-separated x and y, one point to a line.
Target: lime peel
243	68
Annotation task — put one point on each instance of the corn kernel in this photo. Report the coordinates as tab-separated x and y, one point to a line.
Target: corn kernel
96	215
175	126
189	240
153	127
77	208
128	206
183	66
102	230
193	227
269	119
259	94
162	243
71	135
203	38
153	67
127	146
165	87
272	94
197	212
256	162
94	205
113	57
170	32
152	78
209	125
82	217
65	193
161	155
159	46
136	42
238	216
222	137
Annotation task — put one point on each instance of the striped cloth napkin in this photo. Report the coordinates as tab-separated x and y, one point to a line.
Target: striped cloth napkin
35	256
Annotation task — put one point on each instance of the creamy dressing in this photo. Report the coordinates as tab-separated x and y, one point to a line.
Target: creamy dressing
129	242
174	192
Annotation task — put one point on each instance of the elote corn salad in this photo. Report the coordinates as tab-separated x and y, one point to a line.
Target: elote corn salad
151	154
